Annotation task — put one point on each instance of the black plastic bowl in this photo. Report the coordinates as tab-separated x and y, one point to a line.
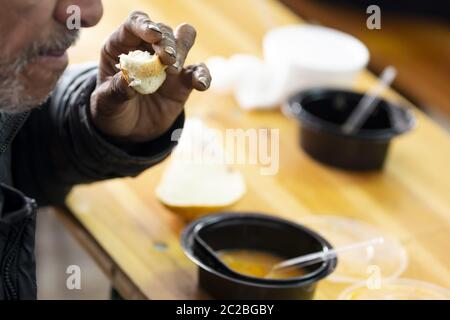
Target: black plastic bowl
322	112
226	231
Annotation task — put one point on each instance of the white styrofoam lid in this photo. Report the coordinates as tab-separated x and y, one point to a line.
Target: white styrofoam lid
316	48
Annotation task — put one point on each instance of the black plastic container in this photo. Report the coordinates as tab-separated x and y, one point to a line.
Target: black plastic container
258	232
322	112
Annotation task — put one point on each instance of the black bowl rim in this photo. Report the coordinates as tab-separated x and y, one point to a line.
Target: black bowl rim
308	120
325	269
312	274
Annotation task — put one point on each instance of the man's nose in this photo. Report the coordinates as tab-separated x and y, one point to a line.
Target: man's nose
90	11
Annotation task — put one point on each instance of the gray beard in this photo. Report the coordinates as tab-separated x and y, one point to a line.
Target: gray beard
14	97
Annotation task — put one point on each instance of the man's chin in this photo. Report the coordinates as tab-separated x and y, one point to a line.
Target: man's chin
39	86
32	87
22	105
40	80
19	98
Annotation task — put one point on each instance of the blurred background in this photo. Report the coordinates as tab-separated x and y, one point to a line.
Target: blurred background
415	38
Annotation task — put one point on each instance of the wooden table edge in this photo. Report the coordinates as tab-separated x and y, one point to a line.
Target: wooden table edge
118	278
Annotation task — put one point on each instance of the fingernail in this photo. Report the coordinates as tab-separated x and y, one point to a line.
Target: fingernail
171	52
203	81
154	28
176	65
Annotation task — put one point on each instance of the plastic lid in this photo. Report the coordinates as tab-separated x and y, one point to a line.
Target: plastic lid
387	260
398	289
315	48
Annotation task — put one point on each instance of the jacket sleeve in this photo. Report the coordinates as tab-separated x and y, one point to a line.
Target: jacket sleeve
59	147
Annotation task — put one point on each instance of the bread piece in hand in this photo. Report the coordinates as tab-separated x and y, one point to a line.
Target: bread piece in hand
142	70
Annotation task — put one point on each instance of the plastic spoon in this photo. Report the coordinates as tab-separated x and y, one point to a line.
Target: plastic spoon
301	261
321	256
368	103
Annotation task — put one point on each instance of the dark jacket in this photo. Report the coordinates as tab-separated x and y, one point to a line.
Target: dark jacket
43	153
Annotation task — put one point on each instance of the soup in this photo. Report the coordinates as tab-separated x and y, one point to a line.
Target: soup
257	264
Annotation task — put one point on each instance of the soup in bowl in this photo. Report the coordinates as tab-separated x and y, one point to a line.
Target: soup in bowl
247	246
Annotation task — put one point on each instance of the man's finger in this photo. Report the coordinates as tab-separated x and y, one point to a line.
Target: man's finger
137	29
115	92
167	47
110	97
185	35
198	77
201	78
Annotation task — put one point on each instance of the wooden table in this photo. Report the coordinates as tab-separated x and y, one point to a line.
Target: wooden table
125	228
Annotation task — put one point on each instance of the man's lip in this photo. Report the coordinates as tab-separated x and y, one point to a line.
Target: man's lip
54	60
55	53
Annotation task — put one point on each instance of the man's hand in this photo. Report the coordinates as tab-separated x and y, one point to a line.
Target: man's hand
118	110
